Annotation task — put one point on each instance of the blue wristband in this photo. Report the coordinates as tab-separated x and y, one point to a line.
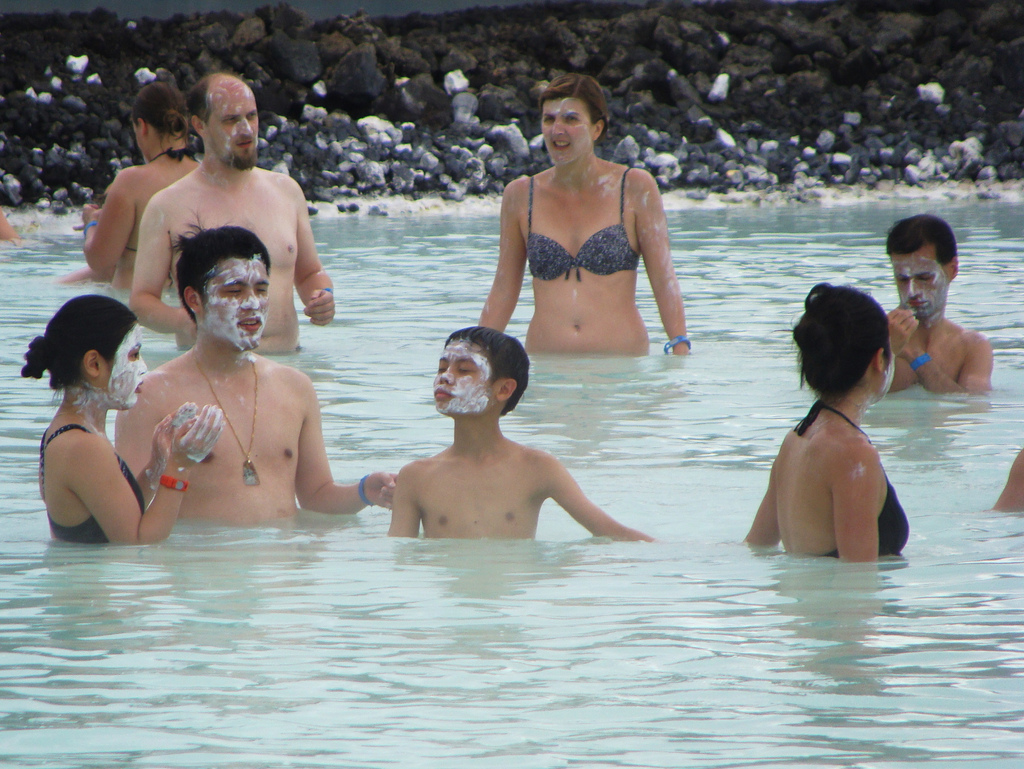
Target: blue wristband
919	361
671	343
362	491
85	229
328	289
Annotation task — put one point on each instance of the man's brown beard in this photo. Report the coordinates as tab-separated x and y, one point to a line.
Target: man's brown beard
243	162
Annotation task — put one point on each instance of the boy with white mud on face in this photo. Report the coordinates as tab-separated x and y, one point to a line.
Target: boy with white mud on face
484	485
271	458
941	356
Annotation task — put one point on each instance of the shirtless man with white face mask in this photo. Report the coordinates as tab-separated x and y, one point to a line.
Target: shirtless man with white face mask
941	356
228	188
271	458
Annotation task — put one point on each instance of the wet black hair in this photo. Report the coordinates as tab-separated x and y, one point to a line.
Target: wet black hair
162	106
91	322
506	355
202	250
908	235
840	332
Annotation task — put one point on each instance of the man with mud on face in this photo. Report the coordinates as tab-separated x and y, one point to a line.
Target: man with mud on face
940	356
228	189
271	459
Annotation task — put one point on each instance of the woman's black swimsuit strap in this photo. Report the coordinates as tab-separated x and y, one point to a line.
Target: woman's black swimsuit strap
816	409
893	526
88	531
175	154
605	252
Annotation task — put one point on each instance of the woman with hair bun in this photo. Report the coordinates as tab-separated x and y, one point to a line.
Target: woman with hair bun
582	227
92	350
160	123
827	493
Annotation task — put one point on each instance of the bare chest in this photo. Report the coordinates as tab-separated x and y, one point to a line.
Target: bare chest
495	506
267	215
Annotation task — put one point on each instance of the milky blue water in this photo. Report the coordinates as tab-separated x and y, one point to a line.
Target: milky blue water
326	644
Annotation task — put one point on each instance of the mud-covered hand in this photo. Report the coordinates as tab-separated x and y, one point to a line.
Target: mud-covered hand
196	434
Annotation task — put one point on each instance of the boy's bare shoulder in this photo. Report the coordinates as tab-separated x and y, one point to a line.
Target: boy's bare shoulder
538	469
418	473
420	467
537	456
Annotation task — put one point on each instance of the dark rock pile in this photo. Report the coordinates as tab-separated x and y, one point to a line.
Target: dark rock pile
708	97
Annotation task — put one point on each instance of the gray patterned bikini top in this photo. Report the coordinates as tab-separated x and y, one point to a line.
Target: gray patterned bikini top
604	252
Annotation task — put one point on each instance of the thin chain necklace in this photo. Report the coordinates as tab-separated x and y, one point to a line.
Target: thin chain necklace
249	475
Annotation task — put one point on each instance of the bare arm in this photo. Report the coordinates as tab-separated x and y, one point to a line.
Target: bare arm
405	515
7	232
902	325
974	376
314	286
764	532
858	492
929	375
570	497
315	488
105	243
1012	498
976	373
94	476
652	236
134	429
508	278
152	269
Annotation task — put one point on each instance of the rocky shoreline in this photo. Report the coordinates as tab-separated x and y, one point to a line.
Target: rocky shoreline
736	100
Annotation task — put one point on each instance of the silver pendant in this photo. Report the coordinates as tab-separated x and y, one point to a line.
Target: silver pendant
249	475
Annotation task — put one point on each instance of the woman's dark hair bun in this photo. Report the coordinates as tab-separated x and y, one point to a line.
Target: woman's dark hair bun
38	358
840	331
90	322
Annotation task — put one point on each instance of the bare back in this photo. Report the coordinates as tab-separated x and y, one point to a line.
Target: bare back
824	483
142	184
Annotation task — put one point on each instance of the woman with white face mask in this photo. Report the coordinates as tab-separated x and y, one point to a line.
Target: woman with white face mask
827	493
92	349
582	227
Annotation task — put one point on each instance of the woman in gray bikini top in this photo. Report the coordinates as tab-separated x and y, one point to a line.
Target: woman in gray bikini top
582	227
605	252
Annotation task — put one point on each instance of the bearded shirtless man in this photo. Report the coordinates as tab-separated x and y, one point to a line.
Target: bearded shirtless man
227	188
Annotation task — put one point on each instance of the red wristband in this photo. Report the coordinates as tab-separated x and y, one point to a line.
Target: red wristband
173	483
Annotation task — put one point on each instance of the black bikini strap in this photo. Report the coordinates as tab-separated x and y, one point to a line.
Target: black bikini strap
174	154
808	420
622	198
529	210
816	409
44	442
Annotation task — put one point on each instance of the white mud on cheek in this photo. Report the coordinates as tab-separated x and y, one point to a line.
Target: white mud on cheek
470	395
126	375
224	314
